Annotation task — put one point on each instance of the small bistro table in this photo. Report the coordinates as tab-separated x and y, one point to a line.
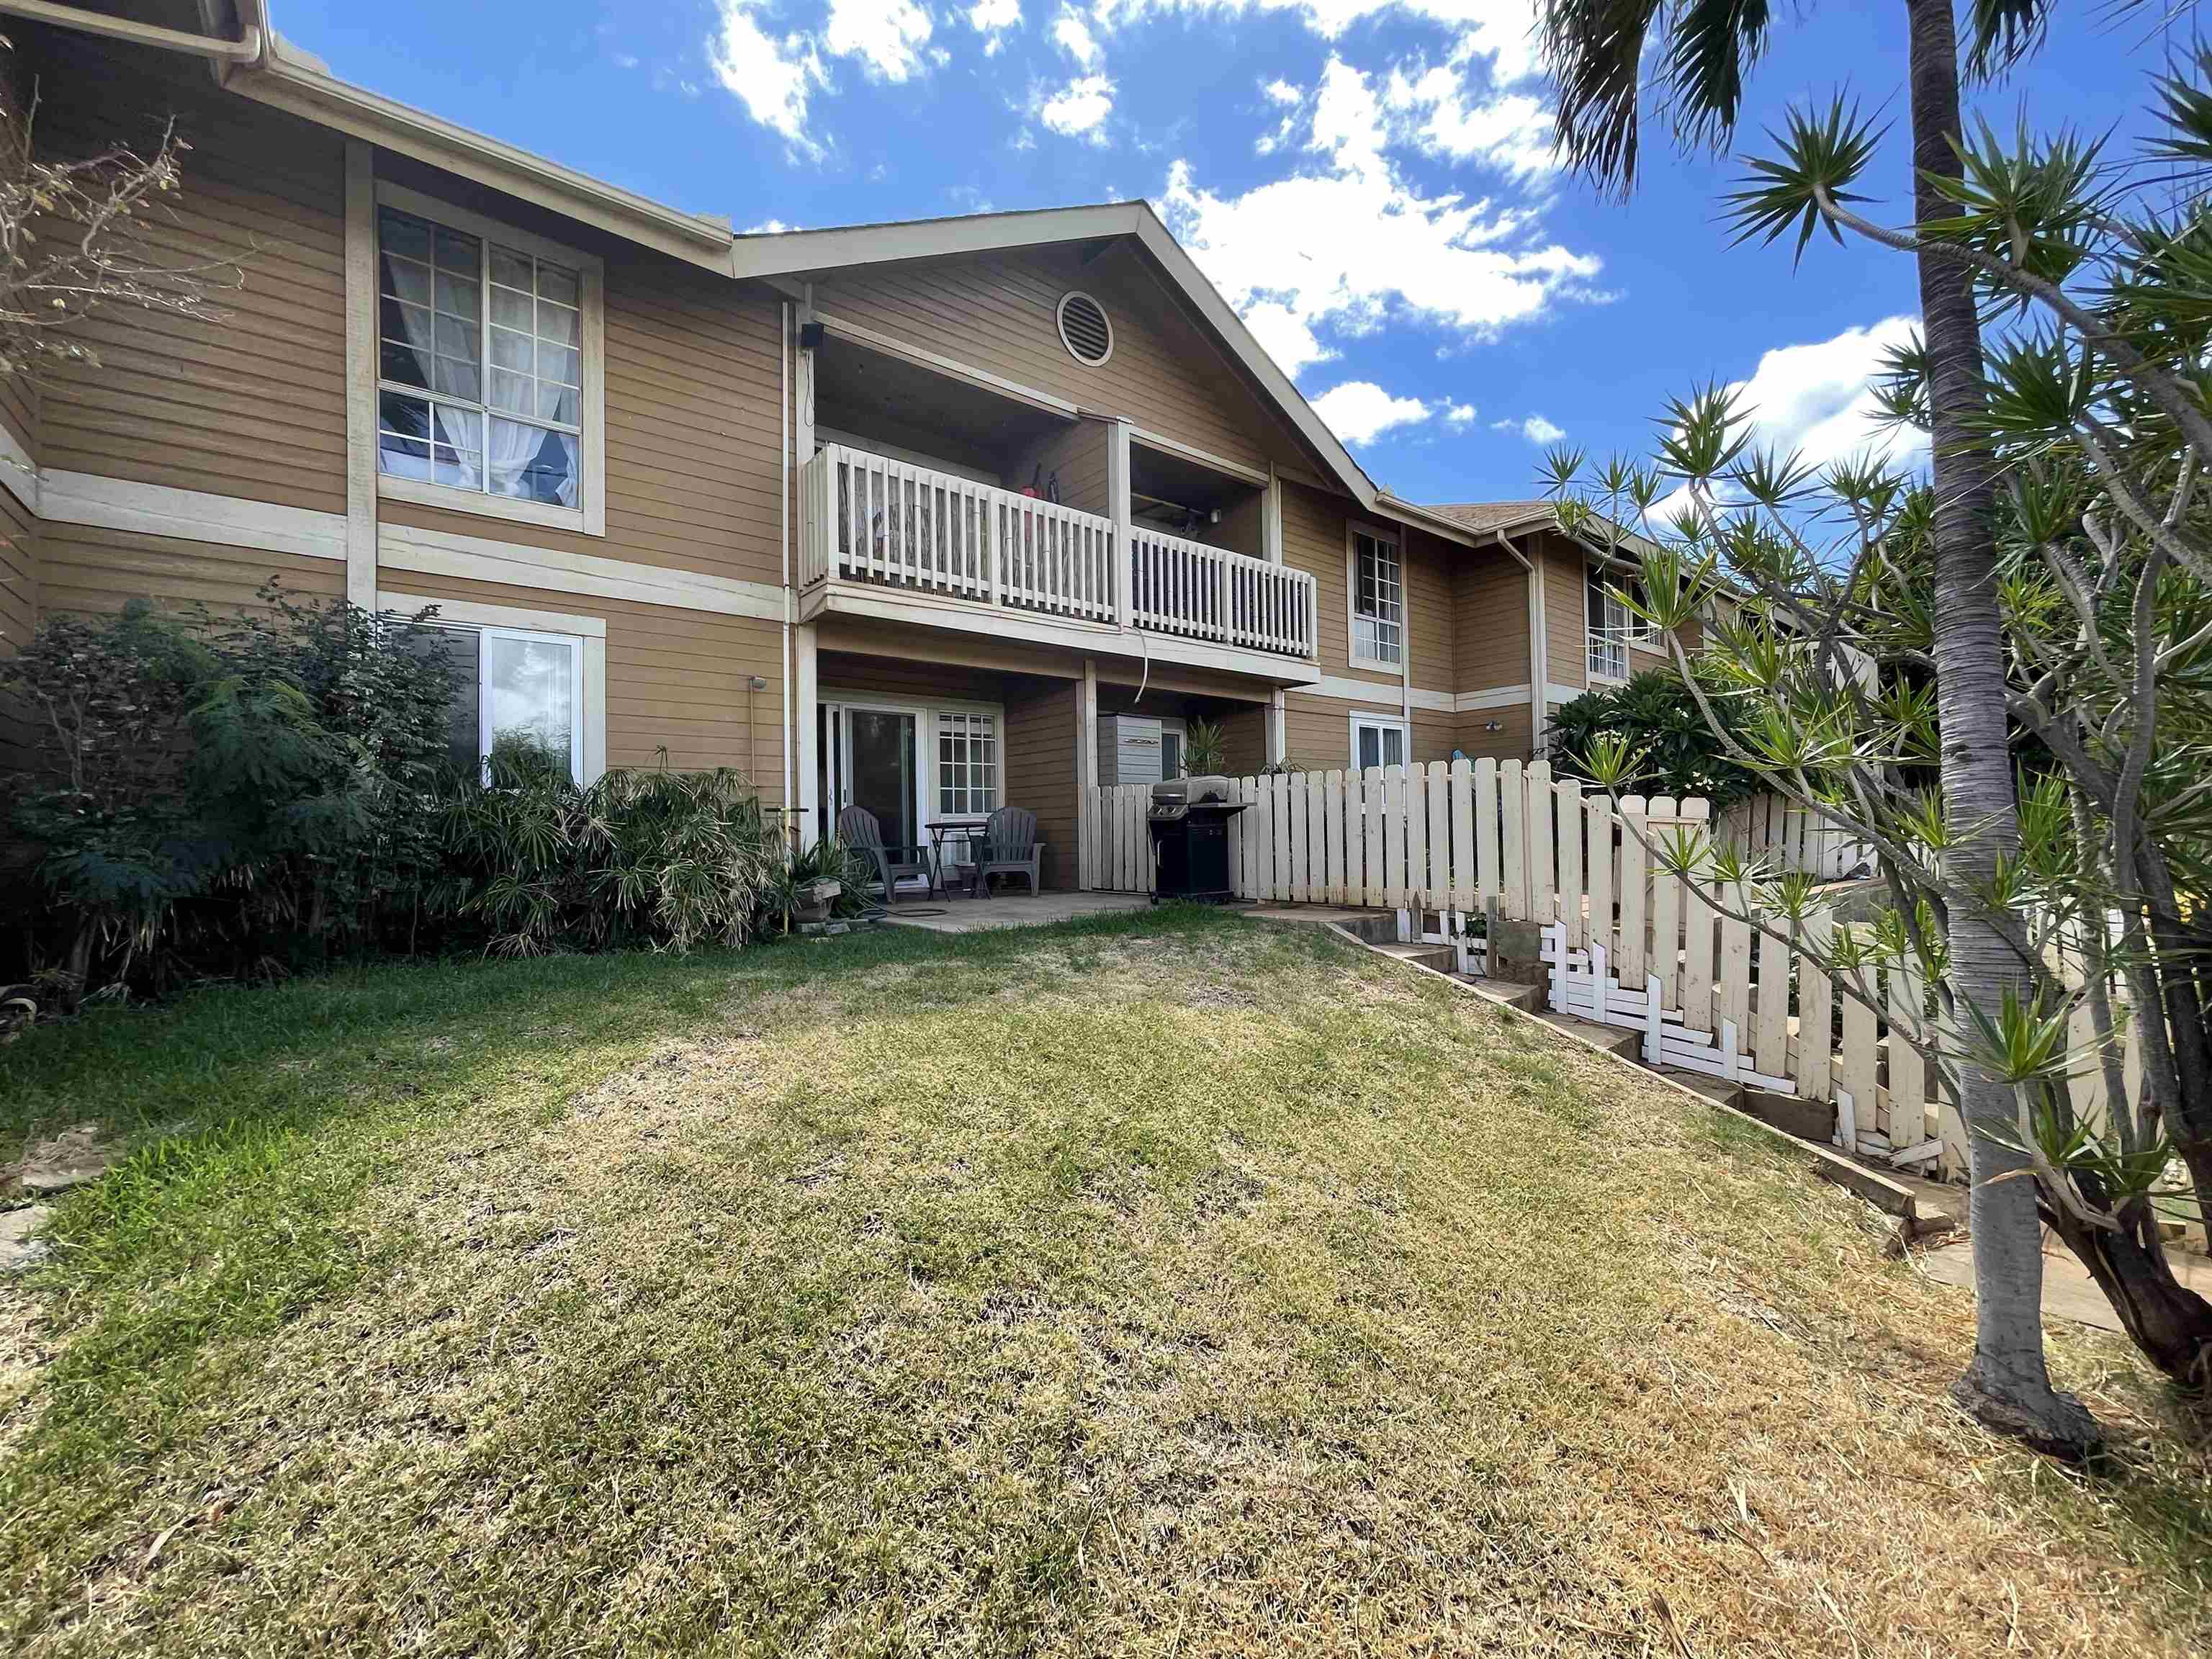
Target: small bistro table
970	830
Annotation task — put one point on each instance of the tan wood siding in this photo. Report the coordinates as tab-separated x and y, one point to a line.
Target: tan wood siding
83	568
1314	541
1429	615
1567	640
1509	742
1490	605
1317	731
253	405
1042	740
692	434
1077	456
676	679
997	313
1244	741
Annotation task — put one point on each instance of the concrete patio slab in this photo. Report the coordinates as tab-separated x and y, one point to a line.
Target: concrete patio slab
970	915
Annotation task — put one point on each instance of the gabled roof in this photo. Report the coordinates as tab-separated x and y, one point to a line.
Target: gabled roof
1505	516
788	252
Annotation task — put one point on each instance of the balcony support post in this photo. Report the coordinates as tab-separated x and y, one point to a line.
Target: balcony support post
1121	561
1086	772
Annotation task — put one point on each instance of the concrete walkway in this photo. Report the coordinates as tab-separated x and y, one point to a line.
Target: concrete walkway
2068	1292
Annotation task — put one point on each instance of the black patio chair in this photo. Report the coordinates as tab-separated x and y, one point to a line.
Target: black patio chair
864	837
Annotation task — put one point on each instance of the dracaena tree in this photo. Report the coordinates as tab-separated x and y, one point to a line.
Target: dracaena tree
1831	600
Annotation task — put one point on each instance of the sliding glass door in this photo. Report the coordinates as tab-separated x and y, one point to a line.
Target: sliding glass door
872	758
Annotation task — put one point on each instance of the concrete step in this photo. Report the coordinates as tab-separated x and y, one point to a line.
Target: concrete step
1442	958
1526	998
1613	1039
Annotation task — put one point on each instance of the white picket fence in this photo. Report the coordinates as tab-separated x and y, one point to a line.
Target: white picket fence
1629	943
1782	835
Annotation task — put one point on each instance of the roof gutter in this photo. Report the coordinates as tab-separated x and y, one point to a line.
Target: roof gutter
246	49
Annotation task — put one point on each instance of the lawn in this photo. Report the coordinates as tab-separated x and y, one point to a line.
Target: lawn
1166	1285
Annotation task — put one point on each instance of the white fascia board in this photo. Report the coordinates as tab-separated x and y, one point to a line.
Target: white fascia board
786	253
289	79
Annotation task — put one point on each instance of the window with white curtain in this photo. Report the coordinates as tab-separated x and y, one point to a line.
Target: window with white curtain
967	765
1378	597
480	363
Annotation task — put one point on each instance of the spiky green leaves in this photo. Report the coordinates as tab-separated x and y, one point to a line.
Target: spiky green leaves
1822	156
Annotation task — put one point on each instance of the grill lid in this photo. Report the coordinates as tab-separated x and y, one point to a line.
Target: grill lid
1191	792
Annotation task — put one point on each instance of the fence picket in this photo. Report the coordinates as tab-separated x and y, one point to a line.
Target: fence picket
1485	831
1513	799
1439	879
1568	816
1542	878
1666	903
1294	795
1732	976
1770	1023
1816	1009
1394	838
1908	1068
1416	839
1332	833
1463	839
1630	960
1318	890
1855	1065
1372	834
1598	812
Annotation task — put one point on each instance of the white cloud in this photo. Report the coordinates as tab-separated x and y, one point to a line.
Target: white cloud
1284	336
770	77
992	19
1460	415
1075	39
1814	397
1282	92
1347	244
1538	430
1079	109
1435	108
1498	30
1359	411
887	36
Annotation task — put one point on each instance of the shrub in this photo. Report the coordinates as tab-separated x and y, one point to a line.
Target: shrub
1658	718
642	857
222	798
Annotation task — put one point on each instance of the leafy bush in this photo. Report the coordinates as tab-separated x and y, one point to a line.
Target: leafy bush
222	798
1657	717
641	857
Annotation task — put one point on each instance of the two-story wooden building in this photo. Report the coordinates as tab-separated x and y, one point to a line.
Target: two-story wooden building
892	515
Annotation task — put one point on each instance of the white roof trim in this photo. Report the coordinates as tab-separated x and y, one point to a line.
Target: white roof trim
784	253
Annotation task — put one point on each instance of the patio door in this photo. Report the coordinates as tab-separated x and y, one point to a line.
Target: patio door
874	761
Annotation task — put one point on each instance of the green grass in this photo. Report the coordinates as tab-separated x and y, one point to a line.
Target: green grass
1162	1284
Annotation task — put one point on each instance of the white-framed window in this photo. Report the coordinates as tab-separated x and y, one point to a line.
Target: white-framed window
519	686
1379	740
488	347
1376	585
967	763
1612	626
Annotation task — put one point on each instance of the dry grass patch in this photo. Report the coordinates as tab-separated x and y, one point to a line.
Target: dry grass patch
1171	1286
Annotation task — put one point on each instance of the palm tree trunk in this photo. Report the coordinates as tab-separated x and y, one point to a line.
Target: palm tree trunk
2007	1386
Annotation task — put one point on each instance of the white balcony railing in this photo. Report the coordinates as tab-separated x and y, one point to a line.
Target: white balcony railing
866	518
886	521
1178	586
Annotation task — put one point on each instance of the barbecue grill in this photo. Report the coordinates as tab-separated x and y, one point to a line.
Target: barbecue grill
1189	826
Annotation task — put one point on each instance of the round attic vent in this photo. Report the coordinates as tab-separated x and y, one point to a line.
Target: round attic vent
1083	329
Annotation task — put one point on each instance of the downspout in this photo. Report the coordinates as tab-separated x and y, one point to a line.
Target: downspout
783	536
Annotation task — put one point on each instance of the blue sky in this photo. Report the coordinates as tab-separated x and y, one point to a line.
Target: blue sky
1369	182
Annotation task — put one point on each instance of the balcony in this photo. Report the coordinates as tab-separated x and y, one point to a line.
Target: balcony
1017	563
